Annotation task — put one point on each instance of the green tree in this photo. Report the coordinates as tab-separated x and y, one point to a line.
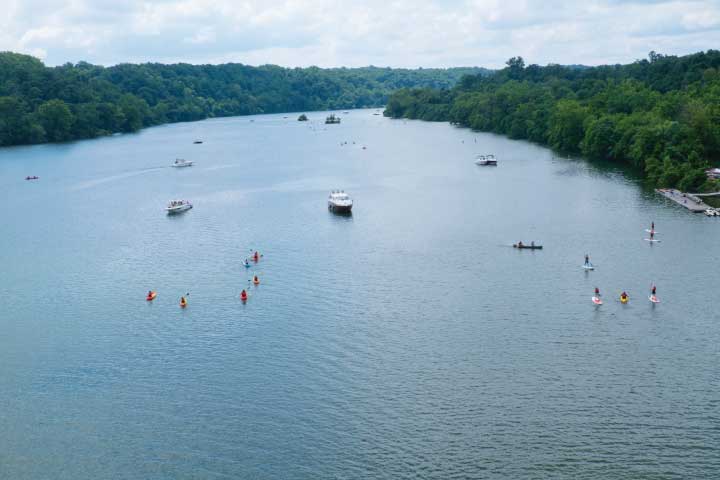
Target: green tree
56	119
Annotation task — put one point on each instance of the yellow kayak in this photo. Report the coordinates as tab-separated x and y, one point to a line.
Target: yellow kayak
624	299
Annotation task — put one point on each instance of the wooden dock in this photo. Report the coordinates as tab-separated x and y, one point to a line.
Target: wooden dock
687	200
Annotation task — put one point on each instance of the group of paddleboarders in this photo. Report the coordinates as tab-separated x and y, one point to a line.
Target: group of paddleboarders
243	294
624	297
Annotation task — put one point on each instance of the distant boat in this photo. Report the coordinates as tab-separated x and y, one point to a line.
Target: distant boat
179	163
532	246
197	141
178	206
486	160
339	202
302	118
332	119
34	177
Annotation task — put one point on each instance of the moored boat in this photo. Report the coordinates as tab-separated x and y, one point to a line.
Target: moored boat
339	202
178	206
332	119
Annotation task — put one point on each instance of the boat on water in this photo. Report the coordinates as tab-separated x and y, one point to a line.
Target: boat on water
302	118
523	246
179	163
486	160
340	202
712	212
197	141
34	177
178	206
332	119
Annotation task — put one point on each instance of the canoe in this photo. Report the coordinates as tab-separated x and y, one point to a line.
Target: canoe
527	247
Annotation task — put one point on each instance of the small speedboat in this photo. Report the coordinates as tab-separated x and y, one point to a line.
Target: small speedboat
34	177
486	160
712	212
179	163
178	206
339	202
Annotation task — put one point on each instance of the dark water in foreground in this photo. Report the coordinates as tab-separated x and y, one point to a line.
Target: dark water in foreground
406	341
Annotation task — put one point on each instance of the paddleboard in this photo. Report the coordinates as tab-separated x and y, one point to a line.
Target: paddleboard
654	299
650	231
589	267
652	240
596	301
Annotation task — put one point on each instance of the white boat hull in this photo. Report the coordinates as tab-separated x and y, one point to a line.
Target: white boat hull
178	209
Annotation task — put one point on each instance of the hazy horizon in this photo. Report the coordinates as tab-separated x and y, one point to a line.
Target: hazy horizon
399	34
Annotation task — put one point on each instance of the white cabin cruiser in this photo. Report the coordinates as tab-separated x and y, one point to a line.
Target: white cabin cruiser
179	162
486	160
339	202
178	206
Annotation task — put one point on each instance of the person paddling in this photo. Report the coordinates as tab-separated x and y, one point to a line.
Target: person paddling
653	291
597	292
587	260
243	295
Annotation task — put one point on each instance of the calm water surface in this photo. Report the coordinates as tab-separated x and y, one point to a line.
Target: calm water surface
406	341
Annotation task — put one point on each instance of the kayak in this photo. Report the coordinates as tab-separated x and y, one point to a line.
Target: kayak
247	265
256	281
624	299
654	299
183	304
151	297
597	301
243	299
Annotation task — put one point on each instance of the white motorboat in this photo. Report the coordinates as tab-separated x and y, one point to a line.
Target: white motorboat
339	202
179	162
486	160
712	212
178	206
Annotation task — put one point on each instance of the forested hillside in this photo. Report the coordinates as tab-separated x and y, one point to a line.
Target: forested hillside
661	115
43	104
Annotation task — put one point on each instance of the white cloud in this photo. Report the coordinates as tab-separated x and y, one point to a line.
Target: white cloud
405	33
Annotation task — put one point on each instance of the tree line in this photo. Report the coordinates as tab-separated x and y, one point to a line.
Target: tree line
73	101
660	115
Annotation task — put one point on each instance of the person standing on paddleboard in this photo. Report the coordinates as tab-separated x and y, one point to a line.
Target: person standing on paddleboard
587	260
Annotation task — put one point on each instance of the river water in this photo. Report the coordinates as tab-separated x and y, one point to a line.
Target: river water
409	340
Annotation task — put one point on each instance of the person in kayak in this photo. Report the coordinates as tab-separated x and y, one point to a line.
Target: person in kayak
623	296
256	280
243	295
150	293
256	256
520	244
183	302
246	263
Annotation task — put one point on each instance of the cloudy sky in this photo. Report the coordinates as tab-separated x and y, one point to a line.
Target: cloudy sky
399	33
